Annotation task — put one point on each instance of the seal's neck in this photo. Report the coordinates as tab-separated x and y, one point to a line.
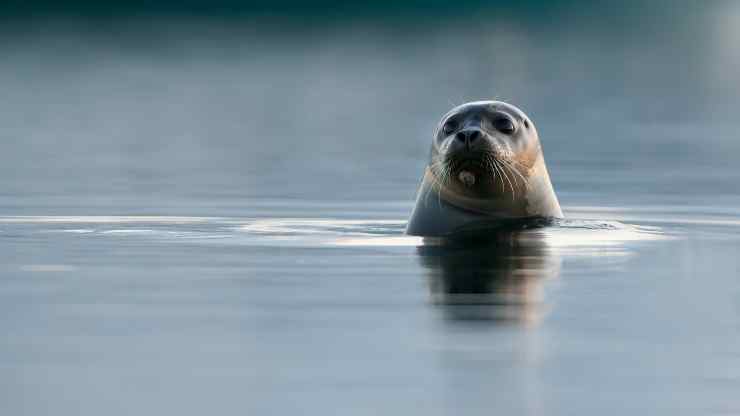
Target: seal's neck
442	210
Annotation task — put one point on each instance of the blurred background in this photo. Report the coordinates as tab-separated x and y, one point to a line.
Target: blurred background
201	107
202	207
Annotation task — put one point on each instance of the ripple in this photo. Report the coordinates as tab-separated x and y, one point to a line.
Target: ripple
583	234
296	226
102	219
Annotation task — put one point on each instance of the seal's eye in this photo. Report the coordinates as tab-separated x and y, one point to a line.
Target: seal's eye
504	125
449	127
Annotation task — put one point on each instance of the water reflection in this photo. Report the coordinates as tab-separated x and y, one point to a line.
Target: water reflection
500	279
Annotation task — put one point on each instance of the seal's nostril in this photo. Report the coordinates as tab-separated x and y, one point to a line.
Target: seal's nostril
468	136
473	136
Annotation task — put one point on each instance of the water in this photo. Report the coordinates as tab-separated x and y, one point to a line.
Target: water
206	215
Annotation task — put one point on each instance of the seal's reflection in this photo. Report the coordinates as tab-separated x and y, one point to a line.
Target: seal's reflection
498	279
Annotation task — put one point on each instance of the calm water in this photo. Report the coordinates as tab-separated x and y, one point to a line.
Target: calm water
206	216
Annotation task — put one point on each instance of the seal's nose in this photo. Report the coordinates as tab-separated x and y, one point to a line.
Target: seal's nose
468	136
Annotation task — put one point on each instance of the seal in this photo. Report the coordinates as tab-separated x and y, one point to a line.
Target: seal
486	171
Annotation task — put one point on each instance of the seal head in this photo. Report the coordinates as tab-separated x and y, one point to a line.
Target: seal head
485	170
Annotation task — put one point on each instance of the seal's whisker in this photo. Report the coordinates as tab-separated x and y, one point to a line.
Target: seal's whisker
440	169
498	172
425	197
513	192
509	164
487	164
520	166
517	163
500	175
444	180
524	178
515	171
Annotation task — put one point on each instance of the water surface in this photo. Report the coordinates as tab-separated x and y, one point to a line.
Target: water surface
206	215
